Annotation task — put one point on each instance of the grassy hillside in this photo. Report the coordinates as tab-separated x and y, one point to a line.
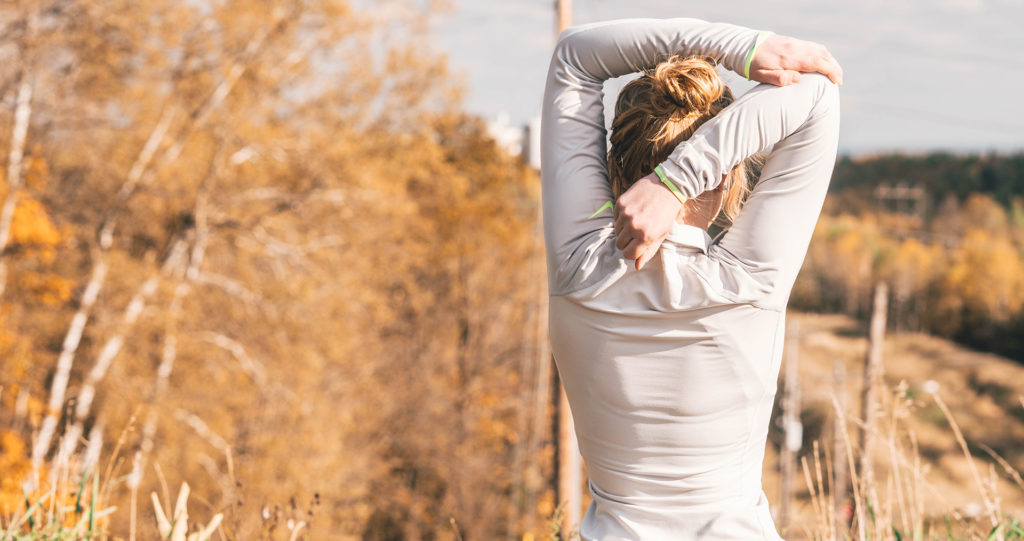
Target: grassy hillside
984	392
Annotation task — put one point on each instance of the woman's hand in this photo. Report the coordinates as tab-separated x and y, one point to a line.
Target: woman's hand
643	218
779	60
645	212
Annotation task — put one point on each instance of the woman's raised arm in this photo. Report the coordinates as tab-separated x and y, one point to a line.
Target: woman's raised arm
769	238
574	171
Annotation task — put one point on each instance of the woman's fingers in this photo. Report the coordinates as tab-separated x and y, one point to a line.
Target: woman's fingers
621	241
642	259
778	77
632	249
640	252
644	214
827	65
779	55
833	70
623	232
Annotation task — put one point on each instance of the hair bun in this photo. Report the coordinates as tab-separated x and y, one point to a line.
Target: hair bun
691	84
657	111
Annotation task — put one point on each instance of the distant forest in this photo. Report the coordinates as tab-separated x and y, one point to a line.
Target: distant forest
940	174
944	231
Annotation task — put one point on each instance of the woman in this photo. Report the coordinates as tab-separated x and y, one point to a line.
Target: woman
670	363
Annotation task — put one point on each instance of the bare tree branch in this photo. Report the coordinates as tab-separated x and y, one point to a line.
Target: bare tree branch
139	167
229	286
201	428
252	368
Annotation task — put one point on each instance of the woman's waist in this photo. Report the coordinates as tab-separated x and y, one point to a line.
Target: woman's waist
685	476
703	493
741	517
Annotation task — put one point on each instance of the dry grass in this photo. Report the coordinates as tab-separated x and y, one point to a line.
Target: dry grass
946	462
948	435
901	504
937	475
62	510
71	503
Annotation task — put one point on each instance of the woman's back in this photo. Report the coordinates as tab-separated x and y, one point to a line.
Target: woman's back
670	370
671	405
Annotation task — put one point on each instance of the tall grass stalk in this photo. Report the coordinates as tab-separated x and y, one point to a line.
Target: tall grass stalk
64	511
900	503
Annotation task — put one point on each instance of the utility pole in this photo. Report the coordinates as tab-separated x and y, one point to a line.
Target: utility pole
791	425
569	463
569	466
564	12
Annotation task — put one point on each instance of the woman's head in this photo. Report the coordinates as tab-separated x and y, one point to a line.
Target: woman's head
662	108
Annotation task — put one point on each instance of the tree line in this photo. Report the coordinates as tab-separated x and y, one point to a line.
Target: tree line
940	174
946	233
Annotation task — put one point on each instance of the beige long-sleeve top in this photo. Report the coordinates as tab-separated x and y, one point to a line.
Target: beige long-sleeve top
671	371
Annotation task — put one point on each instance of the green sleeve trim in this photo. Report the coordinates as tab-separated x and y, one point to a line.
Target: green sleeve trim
753	50
606	205
664	180
671	186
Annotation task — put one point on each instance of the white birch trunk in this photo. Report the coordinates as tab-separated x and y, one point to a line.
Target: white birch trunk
22	113
170	349
110	351
63	372
163	374
202	429
136	177
74	335
219	94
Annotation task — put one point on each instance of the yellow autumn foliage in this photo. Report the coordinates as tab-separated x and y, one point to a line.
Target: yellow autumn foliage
319	276
46	288
14	469
987	275
912	267
959	274
32	226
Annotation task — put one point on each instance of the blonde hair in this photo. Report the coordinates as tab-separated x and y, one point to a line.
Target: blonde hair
662	108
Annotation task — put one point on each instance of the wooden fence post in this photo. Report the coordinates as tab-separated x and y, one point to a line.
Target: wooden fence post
873	371
840	475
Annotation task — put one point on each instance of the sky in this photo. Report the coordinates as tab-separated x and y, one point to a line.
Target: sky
920	75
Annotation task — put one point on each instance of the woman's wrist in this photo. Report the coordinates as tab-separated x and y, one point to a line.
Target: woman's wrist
761	36
670	185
